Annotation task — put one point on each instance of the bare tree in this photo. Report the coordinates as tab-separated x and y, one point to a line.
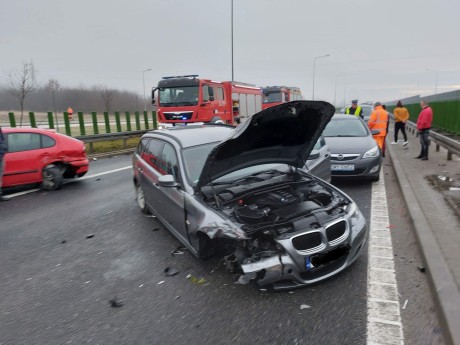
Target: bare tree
54	86
107	97
21	83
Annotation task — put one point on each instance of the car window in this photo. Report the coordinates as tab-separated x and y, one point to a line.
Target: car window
141	146
345	128
194	159
168	162
47	141
152	153
23	142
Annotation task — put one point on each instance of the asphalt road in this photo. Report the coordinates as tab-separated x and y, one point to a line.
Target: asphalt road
65	254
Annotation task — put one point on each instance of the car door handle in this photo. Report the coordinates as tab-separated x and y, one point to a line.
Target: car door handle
140	170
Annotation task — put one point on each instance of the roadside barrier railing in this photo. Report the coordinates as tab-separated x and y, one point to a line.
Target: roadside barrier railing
451	145
90	139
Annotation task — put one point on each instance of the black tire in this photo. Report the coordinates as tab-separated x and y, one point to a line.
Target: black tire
140	198
376	178
52	178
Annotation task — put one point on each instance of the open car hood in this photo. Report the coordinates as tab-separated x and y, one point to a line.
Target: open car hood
283	134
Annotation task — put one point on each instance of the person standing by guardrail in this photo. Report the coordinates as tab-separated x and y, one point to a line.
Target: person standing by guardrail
3	151
401	116
379	121
70	113
423	128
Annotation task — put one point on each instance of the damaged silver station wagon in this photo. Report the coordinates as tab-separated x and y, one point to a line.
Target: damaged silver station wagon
242	193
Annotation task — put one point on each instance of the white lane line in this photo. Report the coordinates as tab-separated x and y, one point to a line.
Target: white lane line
384	324
70	181
104	173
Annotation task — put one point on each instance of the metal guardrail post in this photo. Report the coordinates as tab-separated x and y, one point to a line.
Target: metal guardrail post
95	125
138	121
12	120
146	120
67	124
118	122
50	120
128	121
154	119
33	124
107	122
81	121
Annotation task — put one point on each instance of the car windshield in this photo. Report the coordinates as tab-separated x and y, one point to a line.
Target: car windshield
271	97
367	110
178	96
352	127
194	158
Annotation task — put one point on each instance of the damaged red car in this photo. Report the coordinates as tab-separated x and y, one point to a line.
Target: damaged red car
42	156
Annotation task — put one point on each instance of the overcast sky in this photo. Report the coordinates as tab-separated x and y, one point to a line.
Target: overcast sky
379	50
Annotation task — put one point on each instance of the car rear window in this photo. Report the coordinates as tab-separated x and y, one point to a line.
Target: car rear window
346	128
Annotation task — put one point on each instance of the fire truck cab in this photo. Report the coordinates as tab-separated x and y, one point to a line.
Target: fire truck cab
274	95
186	99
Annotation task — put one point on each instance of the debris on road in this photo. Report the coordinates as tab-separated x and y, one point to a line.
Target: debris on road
195	280
63	241
179	250
421	269
94	159
170	271
246	278
90	236
405	304
159	283
155	229
115	302
150	216
304	306
108	213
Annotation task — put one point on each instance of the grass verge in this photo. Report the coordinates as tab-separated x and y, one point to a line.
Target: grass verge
113	145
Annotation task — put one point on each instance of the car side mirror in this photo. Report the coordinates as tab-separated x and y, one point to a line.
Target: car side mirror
375	131
167	181
313	155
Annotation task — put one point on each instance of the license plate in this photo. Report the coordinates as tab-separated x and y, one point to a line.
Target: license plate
342	167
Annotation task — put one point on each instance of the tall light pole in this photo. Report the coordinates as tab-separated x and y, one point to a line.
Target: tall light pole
143	82
314	70
232	41
436	82
335	88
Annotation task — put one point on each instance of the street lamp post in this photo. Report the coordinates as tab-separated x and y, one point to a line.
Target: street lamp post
314	68
436	81
233	77
335	88
143	82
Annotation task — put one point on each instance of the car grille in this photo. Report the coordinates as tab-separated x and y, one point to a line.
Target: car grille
345	173
344	157
336	230
178	116
307	241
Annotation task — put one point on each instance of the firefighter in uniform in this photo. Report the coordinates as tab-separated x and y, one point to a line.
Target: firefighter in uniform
355	109
379	121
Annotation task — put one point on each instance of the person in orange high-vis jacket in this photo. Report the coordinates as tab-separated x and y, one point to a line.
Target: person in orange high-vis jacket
379	121
70	112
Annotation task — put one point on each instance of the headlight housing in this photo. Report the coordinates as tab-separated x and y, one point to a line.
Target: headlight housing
372	153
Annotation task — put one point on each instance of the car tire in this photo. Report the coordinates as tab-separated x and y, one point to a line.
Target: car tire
376	178
52	178
140	198
216	120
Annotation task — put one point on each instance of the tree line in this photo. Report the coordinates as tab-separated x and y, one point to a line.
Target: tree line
21	92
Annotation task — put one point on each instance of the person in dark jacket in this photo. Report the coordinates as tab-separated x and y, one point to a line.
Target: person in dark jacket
3	151
423	128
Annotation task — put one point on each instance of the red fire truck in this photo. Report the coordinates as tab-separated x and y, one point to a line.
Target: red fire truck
274	95
186	99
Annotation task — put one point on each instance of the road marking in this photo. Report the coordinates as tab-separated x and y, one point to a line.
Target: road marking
384	324
104	173
71	181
